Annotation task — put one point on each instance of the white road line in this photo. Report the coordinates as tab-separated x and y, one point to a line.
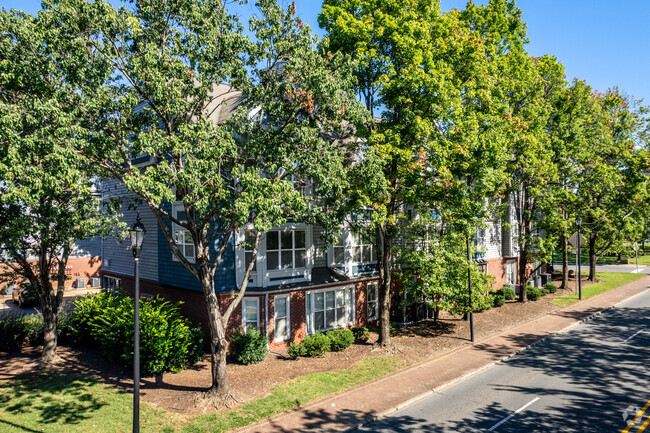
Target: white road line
632	336
513	414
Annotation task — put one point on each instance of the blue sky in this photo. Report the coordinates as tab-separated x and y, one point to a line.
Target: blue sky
603	42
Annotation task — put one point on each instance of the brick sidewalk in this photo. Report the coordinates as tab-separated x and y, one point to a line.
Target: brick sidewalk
368	401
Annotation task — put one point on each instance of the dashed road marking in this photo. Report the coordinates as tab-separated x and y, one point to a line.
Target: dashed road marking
513	414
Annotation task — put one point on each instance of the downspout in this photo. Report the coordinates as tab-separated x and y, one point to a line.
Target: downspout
266	319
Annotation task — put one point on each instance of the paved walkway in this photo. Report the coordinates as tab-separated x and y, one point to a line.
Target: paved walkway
374	399
7	305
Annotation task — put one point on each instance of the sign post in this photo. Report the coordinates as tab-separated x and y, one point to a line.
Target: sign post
576	240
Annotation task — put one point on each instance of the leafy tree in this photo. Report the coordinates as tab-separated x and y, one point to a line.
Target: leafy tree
573	126
47	192
612	178
434	268
232	173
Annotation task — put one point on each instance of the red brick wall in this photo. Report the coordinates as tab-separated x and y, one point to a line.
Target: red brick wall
77	267
498	268
193	307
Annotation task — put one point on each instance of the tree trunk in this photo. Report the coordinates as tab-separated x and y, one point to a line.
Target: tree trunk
49	334
436	315
593	258
218	348
565	261
385	276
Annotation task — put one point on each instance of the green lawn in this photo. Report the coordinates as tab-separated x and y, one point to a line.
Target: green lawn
71	404
608	281
605	260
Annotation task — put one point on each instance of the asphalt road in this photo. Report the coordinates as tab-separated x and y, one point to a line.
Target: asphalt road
592	378
608	268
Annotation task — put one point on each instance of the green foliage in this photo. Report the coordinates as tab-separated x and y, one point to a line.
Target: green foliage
315	344
532	293
106	320
296	350
508	292
340	339
361	334
250	346
499	300
17	330
392	327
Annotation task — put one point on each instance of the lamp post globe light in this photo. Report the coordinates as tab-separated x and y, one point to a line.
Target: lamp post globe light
579	257
136	233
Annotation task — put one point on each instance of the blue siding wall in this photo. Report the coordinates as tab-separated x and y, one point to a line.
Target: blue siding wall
173	273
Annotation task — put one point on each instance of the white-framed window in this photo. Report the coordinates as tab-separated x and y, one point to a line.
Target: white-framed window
112	283
511	272
182	237
351	252
328	309
286	249
281	319
373	301
284	256
250	313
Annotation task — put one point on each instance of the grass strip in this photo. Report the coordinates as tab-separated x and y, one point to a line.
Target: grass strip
56	403
294	393
608	281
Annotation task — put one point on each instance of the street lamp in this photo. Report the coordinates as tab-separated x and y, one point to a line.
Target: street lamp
579	257
469	286
136	232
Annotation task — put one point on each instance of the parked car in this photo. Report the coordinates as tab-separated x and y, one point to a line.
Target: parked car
24	296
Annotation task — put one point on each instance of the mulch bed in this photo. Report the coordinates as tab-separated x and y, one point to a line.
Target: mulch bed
179	392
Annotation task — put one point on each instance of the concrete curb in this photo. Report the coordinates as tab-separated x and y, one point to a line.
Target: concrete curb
487	366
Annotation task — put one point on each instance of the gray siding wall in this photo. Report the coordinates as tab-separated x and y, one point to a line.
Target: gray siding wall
90	248
493	241
116	254
320	247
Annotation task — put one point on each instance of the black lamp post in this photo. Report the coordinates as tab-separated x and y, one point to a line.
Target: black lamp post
579	257
469	286
136	232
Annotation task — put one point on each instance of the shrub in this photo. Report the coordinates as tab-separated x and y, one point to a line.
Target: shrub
552	288
315	344
392	327
532	293
250	346
508	292
499	300
543	291
195	350
361	334
296	350
105	320
340	339
13	332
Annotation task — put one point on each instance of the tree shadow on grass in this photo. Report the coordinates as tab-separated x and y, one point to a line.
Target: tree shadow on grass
51	398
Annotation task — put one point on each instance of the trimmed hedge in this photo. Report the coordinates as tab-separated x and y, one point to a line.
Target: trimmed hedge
552	288
499	299
167	341
316	344
340	339
296	350
250	346
508	292
532	293
361	334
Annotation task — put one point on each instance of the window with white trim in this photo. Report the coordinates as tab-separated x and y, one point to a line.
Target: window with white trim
112	283
362	250
329	309
249	239
250	308
182	237
373	301
282	324
286	249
